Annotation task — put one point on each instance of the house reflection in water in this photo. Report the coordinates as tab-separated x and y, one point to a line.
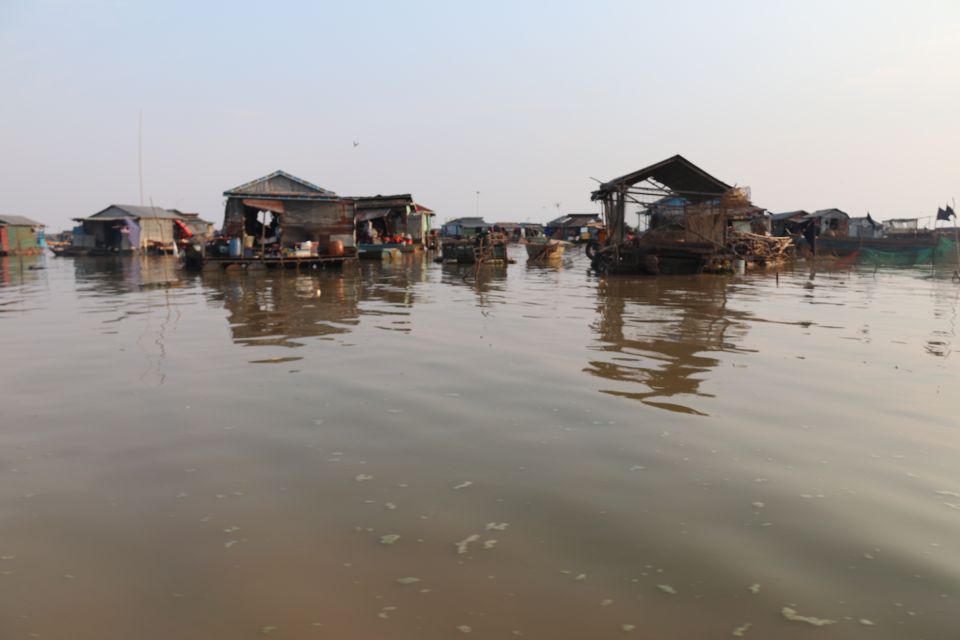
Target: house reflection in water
655	337
278	311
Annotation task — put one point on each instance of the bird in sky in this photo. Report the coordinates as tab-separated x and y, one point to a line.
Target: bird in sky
355	144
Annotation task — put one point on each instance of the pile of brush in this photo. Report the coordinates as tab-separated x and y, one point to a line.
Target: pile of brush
761	249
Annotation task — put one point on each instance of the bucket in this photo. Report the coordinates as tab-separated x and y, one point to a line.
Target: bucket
336	247
247	242
236	248
739	266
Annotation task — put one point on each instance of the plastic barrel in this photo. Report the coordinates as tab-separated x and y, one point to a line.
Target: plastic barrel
236	247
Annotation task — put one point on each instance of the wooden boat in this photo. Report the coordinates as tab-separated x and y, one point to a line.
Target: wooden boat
539	249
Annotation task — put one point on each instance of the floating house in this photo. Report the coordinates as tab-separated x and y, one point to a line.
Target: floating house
832	221
380	219
704	232
463	227
783	224
573	226
280	220
127	229
20	236
865	227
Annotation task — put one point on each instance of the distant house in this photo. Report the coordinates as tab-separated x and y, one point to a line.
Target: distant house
20	236
127	228
895	226
392	215
865	227
286	211
832	221
464	227
783	224
199	227
573	225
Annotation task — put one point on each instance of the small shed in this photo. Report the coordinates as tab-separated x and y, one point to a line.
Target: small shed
382	216
895	226
573	225
865	227
289	210
832	221
463	227
20	236
128	228
787	222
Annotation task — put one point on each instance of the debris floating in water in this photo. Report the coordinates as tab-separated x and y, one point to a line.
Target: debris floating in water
489	544
463	485
755	588
267	630
758	505
389	506
741	631
580	577
230	543
408	580
390	538
231	529
791	614
363	477
637	467
497	526
606	603
462	545
868	623
667	589
464	629
627	628
950	494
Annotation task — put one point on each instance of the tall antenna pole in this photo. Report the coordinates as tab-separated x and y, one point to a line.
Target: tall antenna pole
140	154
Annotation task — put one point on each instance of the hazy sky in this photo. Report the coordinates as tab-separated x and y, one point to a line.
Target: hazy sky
811	104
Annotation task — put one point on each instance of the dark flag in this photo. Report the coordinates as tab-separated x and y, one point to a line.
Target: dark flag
872	222
945	214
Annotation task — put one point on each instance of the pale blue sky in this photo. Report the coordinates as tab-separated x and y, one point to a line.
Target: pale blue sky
811	104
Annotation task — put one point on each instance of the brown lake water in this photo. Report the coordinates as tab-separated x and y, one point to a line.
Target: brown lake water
230	456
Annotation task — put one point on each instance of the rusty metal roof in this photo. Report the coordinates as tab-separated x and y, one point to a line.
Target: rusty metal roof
133	211
677	174
281	184
19	221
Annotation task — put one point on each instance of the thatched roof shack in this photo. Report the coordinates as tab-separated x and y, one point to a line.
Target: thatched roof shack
675	176
300	209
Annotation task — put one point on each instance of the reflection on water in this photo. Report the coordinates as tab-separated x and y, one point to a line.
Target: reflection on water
657	334
527	451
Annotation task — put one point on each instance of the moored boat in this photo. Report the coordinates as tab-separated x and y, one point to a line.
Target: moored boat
539	249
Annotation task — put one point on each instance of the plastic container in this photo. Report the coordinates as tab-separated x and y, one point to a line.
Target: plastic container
236	248
739	266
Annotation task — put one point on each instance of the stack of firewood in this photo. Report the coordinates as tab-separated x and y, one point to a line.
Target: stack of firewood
752	246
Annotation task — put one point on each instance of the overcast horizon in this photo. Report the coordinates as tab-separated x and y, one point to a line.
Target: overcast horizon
811	104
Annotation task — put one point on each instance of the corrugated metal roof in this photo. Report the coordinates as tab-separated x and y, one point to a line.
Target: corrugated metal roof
786	215
678	174
133	211
19	221
259	187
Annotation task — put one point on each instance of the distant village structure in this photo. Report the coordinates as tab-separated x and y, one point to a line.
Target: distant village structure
127	228
20	236
282	210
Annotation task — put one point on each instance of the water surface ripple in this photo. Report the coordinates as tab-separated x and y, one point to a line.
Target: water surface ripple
410	450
